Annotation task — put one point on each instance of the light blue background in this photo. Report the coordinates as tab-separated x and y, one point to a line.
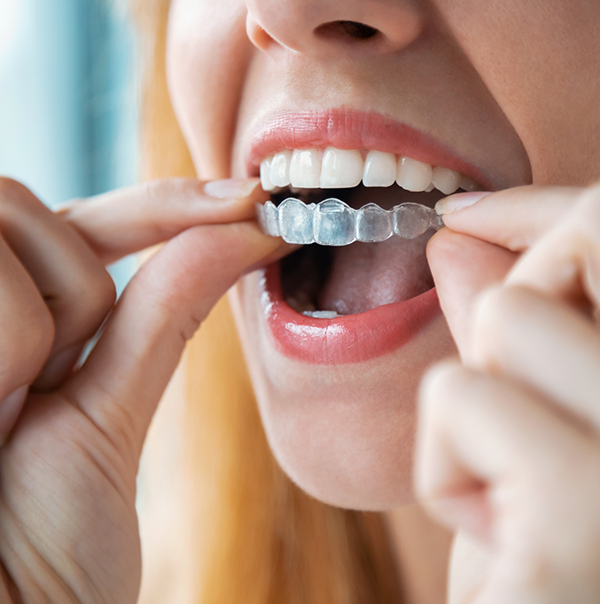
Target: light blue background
68	100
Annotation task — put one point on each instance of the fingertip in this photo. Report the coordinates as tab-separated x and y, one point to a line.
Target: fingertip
459	201
440	243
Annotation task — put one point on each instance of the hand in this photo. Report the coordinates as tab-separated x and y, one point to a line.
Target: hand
70	452
509	442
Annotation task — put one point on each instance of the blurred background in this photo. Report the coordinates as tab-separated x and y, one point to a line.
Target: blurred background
68	100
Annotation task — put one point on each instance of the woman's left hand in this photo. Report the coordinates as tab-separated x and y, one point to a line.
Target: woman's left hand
508	451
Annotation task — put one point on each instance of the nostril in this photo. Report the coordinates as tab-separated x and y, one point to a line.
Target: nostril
357	30
345	30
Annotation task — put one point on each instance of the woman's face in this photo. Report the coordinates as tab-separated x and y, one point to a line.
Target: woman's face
503	91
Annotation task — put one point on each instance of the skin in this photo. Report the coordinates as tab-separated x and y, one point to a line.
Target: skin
366	465
507	447
514	133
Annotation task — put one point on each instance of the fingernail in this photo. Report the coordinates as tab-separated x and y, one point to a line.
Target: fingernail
57	368
10	408
232	188
459	201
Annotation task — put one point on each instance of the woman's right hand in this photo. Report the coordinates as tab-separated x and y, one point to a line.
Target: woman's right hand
71	440
508	450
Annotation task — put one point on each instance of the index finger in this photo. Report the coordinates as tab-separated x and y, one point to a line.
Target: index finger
513	218
128	220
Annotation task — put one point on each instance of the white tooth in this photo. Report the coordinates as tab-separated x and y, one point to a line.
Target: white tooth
380	169
321	314
430	188
305	169
265	175
445	180
413	175
468	184
341	168
280	169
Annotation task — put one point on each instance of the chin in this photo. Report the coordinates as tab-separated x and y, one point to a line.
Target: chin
342	431
354	455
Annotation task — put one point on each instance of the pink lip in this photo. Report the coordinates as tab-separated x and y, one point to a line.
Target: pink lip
368	335
352	129
349	339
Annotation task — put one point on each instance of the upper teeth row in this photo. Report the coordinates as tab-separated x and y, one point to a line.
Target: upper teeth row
339	168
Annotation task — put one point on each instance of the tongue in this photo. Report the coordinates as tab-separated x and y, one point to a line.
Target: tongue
366	275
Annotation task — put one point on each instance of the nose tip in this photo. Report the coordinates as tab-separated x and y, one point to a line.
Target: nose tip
326	26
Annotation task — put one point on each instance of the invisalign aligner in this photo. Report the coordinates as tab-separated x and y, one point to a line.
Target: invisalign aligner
333	222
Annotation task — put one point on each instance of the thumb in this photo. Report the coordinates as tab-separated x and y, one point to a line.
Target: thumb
124	377
462	267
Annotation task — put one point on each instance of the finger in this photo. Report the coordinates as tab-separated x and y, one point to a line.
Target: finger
27	331
542	343
470	567
486	445
462	267
513	218
10	409
566	262
122	381
496	461
75	286
126	221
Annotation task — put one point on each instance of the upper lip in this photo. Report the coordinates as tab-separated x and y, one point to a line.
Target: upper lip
352	129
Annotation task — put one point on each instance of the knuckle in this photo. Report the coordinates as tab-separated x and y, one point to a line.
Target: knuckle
12	191
163	293
440	382
105	293
9	187
488	309
497	312
89	303
190	327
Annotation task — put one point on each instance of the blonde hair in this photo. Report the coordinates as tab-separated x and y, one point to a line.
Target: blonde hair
258	539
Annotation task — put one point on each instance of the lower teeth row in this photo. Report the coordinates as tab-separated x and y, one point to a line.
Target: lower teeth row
333	222
321	314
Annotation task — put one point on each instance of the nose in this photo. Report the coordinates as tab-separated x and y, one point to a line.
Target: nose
327	26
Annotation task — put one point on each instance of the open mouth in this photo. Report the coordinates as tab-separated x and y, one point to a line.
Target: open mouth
356	302
327	282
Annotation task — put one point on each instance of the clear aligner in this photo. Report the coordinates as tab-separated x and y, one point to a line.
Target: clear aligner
333	222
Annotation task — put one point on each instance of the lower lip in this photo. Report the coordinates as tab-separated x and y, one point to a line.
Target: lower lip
343	340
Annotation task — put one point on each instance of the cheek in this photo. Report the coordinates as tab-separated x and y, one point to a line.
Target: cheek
208	53
540	60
